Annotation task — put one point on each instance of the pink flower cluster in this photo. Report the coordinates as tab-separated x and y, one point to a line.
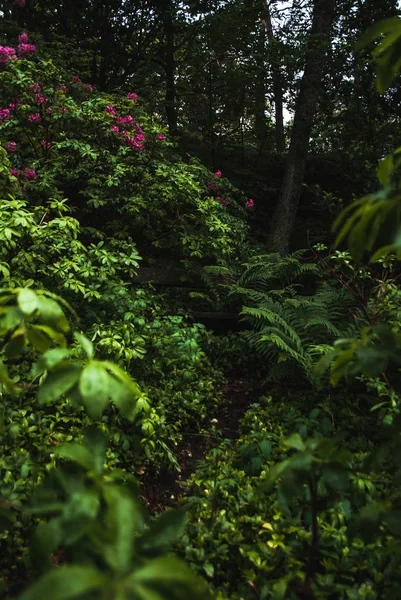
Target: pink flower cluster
35	87
26	49
6	53
34	117
12	146
218	173
128	120
29	174
134	141
4	114
40	99
75	79
132	96
46	145
23	38
15	172
161	136
62	88
250	203
222	200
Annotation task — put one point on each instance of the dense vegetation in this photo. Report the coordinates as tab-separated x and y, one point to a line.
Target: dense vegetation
200	310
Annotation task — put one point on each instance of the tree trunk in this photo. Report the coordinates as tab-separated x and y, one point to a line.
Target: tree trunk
170	108
284	216
277	81
260	91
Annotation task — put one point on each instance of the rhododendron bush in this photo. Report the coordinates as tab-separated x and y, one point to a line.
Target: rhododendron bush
111	163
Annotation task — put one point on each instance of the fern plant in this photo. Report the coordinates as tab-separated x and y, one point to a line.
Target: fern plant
292	311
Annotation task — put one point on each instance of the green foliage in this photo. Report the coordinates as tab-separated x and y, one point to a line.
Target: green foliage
292	310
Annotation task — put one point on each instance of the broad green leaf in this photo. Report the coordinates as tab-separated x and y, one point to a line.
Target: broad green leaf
123	520
94	388
85	343
65	583
17	343
378	29
58	383
51	313
294	441
172	577
77	453
163	532
28	301
385	170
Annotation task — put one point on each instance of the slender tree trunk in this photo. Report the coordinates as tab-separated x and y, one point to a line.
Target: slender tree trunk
260	91
284	216
277	82
170	96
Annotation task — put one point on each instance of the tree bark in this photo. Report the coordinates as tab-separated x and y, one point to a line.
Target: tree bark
285	213
170	107
277	81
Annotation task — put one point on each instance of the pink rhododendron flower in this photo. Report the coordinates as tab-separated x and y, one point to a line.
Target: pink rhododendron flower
62	88
161	136
123	132
29	174
25	49
34	117
45	144
140	138
4	114
114	128
23	38
14	172
132	96
110	109
218	173
40	99
89	87
20	3
250	203
138	129
35	87
222	200
49	111
65	110
6	53
133	143
12	146
75	79
128	120
12	106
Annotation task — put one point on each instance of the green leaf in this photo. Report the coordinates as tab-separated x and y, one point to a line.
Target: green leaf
123	521
385	170
294	441
173	578
163	532
77	453
94	388
85	343
65	583
58	383
28	301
